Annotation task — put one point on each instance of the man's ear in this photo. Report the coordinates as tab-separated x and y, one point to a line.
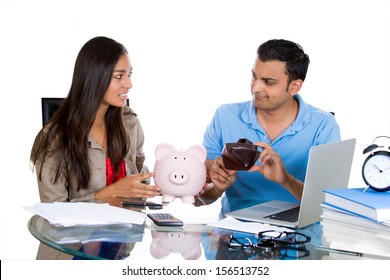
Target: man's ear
295	86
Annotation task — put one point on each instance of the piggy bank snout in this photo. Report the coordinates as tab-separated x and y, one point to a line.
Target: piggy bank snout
179	177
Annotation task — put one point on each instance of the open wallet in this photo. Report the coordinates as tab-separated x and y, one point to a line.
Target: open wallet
240	156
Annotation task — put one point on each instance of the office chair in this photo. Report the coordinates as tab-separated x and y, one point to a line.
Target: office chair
51	104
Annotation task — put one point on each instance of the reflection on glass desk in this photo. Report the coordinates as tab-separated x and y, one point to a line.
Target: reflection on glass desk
195	242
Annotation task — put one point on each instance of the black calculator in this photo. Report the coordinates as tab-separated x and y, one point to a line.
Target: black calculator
165	220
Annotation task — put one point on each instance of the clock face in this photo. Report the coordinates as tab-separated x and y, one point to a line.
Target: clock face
376	171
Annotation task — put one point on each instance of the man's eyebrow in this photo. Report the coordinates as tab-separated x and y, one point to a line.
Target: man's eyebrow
268	79
264	78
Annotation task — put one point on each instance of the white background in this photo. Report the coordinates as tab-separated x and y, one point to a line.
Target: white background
188	58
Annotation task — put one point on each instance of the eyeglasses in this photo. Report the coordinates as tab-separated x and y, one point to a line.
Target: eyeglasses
282	237
288	252
260	252
270	238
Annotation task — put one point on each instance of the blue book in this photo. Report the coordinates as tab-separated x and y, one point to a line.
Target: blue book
369	204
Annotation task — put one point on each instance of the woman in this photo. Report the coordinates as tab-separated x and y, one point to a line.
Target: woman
92	148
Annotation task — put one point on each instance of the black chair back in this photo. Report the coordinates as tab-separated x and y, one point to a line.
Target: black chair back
49	106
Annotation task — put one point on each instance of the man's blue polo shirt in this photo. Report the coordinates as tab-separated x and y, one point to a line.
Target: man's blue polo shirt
238	120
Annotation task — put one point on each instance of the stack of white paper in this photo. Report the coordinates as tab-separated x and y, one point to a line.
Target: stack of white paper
346	231
85	213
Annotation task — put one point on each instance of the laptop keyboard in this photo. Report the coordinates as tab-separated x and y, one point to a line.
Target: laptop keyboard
290	215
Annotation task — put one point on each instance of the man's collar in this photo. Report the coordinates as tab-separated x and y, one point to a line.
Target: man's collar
303	118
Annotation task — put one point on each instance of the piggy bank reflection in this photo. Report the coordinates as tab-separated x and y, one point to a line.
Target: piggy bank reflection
180	173
184	243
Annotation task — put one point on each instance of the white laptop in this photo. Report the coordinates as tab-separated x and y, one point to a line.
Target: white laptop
329	167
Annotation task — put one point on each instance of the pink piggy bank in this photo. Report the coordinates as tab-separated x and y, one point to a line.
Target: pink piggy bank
180	173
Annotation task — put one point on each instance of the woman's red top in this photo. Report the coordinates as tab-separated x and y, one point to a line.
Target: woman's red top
110	171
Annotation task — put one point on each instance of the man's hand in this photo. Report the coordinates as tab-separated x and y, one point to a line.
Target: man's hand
221	177
274	170
272	165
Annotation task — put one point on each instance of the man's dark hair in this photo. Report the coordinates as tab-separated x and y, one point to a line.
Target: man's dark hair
297	62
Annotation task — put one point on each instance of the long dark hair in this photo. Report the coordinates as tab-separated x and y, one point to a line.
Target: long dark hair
65	137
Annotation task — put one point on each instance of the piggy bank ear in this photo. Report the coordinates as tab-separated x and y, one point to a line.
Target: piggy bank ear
198	151
163	149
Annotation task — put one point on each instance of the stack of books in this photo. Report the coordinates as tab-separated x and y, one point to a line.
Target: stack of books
357	220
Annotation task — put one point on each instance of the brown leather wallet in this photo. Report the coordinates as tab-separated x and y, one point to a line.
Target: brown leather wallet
240	156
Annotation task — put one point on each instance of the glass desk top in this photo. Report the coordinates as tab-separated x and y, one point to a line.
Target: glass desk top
146	242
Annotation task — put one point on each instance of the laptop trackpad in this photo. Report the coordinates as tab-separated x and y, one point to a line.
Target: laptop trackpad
271	207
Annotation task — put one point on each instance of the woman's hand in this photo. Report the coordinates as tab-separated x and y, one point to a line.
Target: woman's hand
130	187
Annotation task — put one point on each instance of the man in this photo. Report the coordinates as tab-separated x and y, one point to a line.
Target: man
278	121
